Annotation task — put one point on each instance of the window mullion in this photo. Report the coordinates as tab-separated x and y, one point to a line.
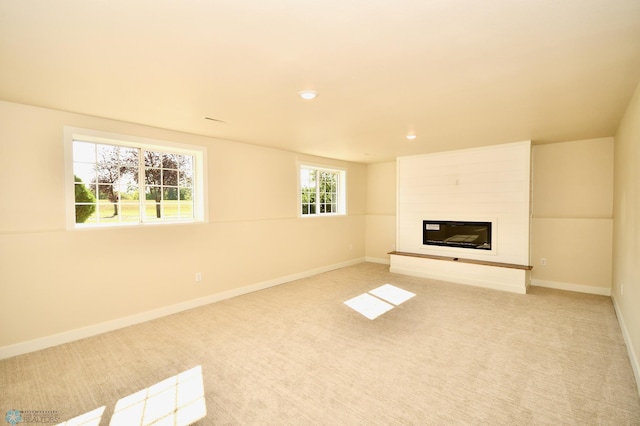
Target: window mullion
98	201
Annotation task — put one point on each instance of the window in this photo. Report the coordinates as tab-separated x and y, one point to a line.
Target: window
322	191
120	180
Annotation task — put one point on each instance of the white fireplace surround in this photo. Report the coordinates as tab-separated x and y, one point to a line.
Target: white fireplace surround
488	184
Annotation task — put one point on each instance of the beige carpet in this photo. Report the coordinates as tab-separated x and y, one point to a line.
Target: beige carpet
296	355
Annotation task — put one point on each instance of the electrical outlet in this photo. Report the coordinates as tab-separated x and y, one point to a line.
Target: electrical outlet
621	289
198	277
543	261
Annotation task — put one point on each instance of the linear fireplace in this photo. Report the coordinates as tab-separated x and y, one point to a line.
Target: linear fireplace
471	235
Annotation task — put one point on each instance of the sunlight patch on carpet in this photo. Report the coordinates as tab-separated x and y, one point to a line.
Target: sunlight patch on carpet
392	294
178	400
369	306
379	300
92	418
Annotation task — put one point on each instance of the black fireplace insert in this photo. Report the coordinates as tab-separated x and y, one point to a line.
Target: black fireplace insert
471	235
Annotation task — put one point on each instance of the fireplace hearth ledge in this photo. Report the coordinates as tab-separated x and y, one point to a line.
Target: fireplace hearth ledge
494	275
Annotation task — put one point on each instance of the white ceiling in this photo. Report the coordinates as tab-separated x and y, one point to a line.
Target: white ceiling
458	73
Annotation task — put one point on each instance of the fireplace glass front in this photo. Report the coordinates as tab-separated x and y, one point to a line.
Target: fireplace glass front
471	235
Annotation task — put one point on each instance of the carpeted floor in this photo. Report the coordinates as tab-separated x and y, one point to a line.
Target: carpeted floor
295	354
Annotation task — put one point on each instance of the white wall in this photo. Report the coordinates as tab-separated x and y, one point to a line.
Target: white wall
481	184
58	284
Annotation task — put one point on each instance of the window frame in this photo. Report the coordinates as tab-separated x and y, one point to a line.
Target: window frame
199	153
341	190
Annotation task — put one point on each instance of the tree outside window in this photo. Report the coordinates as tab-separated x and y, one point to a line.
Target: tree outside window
110	179
320	191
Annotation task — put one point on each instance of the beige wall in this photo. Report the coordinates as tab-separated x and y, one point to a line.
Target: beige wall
626	229
381	211
573	215
54	281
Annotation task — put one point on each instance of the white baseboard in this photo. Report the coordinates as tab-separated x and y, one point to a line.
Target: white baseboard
94	329
376	260
633	358
580	288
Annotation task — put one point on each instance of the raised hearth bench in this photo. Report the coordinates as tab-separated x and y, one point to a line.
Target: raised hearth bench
479	273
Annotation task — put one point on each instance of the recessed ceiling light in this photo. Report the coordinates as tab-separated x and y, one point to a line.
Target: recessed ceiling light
411	137
308	94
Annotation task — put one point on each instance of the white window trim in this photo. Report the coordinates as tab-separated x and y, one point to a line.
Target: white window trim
199	153
342	189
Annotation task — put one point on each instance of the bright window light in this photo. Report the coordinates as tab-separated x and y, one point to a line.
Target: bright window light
120	180
322	191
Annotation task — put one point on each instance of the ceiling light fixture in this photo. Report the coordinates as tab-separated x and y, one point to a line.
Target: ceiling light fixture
411	137
308	94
